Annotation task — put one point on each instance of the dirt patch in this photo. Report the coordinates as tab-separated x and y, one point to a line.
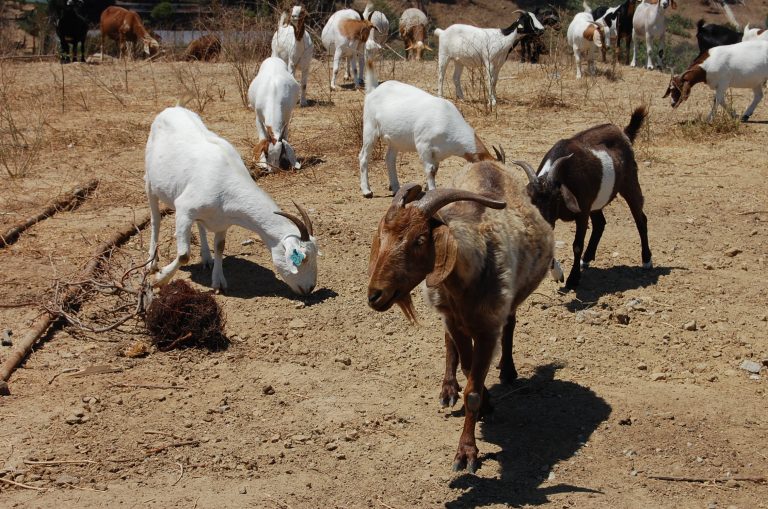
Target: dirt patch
324	403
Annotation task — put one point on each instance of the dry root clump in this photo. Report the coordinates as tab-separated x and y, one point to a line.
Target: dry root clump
180	316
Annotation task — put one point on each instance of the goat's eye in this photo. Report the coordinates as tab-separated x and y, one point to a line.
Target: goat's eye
420	240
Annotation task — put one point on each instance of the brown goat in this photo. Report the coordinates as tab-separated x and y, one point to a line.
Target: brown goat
123	26
579	176
479	266
205	48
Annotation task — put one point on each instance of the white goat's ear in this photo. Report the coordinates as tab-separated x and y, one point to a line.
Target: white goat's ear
598	37
570	200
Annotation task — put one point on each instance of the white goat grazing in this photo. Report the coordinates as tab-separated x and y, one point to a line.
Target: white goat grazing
649	22
411	120
294	46
413	32
272	95
346	35
470	46
584	35
202	176
741	65
751	34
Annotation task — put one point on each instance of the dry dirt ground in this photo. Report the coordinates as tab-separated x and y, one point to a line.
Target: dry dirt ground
353	419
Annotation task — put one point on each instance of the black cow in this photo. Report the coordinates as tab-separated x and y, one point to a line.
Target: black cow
72	29
711	35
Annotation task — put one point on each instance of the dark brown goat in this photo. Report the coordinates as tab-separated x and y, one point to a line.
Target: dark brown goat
479	265
581	175
205	48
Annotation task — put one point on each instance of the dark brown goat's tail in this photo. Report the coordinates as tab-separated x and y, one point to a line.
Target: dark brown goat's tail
636	122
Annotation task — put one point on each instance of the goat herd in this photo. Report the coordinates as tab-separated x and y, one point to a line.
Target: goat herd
483	246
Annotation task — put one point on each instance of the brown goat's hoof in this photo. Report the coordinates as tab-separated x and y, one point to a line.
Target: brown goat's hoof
449	394
466	457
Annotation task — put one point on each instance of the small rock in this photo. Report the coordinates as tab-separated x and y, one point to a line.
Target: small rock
753	376
626	422
764	362
657	377
297	323
4	389
690	326
635	305
352	436
268	390
732	483
243	490
642	366
712	378
733	252
247	242
341	456
66	479
331	446
100	487
751	366
708	265
72	419
622	318
6	339
344	359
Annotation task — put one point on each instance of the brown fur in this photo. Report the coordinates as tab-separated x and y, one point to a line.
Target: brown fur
680	86
589	33
355	29
481	153
204	48
122	25
760	32
411	35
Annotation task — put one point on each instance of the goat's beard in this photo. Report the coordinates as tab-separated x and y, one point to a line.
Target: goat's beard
406	306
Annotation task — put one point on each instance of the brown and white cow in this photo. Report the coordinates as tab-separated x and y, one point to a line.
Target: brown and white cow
122	25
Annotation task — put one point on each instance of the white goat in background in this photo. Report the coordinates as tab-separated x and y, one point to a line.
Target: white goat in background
204	179
272	95
584	35
294	46
345	35
649	22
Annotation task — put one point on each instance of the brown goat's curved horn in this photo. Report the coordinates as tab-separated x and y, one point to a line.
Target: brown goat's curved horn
436	199
500	155
406	194
409	48
304	217
528	170
298	222
553	176
427	48
518	10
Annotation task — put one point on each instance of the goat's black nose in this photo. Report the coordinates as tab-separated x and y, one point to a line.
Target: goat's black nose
373	295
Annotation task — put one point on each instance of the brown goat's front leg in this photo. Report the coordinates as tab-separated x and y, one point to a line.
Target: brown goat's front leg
449	394
475	401
507	373
578	247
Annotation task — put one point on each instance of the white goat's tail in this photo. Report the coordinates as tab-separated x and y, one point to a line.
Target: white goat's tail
282	22
586	6
438	32
731	18
371	82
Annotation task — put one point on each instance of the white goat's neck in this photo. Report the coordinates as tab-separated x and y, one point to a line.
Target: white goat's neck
254	210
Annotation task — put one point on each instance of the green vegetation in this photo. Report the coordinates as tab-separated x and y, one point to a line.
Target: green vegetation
679	25
162	13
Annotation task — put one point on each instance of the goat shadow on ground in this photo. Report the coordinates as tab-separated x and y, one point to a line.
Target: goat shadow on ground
545	421
320	103
598	281
310	161
247	279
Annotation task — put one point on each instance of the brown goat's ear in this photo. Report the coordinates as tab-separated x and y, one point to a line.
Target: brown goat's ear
666	94
374	253
570	200
445	255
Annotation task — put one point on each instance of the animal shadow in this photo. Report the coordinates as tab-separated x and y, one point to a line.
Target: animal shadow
597	281
544	421
247	280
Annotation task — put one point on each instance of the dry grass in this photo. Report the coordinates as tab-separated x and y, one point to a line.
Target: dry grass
199	90
724	125
21	133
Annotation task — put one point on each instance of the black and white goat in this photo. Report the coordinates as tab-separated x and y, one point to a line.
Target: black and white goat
579	176
531	44
710	35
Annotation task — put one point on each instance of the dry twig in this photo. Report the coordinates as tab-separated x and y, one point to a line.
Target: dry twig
25	486
757	479
174	444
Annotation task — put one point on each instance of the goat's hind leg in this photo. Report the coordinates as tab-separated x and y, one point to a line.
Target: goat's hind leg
391	157
217	279
183	236
507	373
758	96
635	201
155	216
205	252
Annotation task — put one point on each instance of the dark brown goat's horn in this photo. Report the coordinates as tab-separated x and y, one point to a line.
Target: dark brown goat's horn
553	176
436	199
528	170
305	227
406	194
